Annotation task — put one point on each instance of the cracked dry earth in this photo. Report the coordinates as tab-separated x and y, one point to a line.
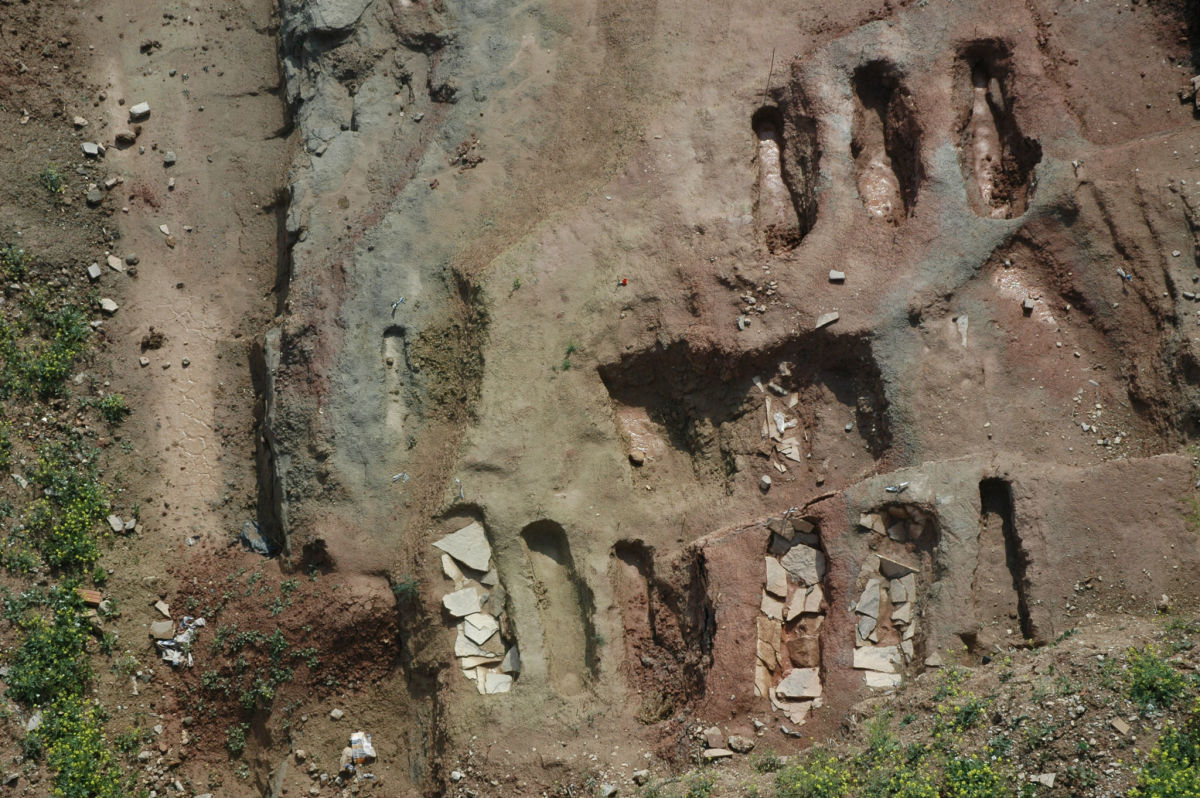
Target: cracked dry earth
598	372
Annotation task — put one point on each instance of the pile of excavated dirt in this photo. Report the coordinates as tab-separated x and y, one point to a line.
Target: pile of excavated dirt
788	366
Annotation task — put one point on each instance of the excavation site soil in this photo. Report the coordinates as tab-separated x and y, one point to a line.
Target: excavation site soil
587	398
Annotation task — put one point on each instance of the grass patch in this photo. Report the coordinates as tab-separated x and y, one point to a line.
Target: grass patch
1152	682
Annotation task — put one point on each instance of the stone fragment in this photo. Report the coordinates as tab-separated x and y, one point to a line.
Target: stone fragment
79	122
813	599
125	138
873	522
881	681
739	744
896	592
169	159
640	777
877	658
764	483
471	663
836	276
771	606
90	149
898	532
1044	779
762	679
139	111
465	648
795	607
115	263
902	613
163	608
162	630
93	272
713	754
713	737
934	660
804	564
1120	726
776	578
825	319
800	683
895	569
108	306
469	546
479	627
637	457
94	197
143	361
336	714
492	681
868	602
1027	306
451	571
115	522
865	628
461	603
804	651
511	662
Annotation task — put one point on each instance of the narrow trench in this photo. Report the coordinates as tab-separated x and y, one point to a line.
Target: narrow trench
997	160
885	143
996	503
565	608
775	214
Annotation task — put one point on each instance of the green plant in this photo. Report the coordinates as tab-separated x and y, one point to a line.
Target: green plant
12	262
766	762
1173	768
5	445
406	589
969	777
235	739
699	784
819	775
1152	682
52	180
113	408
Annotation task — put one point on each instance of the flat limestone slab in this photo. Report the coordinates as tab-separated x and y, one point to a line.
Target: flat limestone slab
776	578
479	627
462	603
469	546
800	683
806	565
881	659
881	681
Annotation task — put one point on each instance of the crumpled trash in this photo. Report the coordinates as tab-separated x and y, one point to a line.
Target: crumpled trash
362	752
252	539
359	752
177	650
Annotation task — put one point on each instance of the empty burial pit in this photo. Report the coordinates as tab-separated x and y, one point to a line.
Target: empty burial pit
666	627
786	155
998	588
565	608
397	376
885	143
997	160
813	405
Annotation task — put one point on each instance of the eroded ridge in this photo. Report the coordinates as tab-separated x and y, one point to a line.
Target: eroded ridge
885	143
998	161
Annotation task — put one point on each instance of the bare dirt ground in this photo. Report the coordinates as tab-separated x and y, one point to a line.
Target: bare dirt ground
567	270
